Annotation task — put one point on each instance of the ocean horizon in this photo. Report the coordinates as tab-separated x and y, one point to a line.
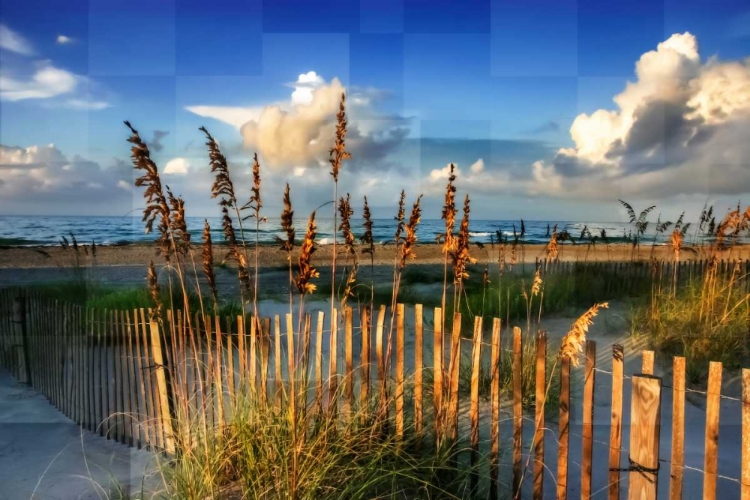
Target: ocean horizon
123	230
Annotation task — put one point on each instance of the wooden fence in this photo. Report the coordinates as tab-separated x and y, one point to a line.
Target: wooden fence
116	373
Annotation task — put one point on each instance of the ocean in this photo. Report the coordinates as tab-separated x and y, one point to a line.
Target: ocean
48	230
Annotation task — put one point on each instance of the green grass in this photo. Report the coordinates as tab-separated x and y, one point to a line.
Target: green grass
703	323
252	457
562	294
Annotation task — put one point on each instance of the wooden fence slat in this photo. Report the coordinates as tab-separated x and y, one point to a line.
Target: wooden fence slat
291	369
539	422
381	360
476	353
437	372
364	392
319	363
418	367
711	457
517	411
745	470
348	363
229	367
454	372
279	382
137	388
110	378
615	429
118	378
265	341
678	428
153	390
333	364
495	410
564	430
145	368
241	354
647	362
127	388
162	389
645	419
587	428
218	383
399	370
144	384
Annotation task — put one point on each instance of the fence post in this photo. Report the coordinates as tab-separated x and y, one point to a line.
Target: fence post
645	418
678	428
540	400
19	318
615	434
564	430
587	430
711	457
161	381
517	411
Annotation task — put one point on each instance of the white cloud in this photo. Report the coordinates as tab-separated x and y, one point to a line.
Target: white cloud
304	86
124	185
233	115
62	39
477	167
48	81
177	166
300	131
85	104
41	179
13	42
681	128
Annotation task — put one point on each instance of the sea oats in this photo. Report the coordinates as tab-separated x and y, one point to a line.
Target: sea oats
153	289
156	202
208	262
449	212
338	152
367	236
287	224
573	342
460	256
410	238
346	212
305	272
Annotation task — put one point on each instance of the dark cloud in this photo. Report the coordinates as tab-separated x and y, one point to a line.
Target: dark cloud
155	142
545	128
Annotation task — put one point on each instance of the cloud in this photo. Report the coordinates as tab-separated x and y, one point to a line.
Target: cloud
155	143
41	179
681	128
299	132
63	40
177	166
13	42
47	81
85	104
236	116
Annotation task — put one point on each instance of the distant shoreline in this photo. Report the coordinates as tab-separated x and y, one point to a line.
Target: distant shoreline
270	255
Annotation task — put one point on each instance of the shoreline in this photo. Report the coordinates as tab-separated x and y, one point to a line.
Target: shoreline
269	255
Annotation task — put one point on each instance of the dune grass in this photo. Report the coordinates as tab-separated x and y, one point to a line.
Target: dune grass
708	319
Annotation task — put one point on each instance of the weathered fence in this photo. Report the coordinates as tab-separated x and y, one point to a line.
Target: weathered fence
135	379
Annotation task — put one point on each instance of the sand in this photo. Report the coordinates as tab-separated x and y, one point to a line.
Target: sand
271	256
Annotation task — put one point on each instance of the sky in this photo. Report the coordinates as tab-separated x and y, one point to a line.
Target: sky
549	109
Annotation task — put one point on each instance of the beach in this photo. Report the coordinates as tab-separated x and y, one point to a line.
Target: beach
272	256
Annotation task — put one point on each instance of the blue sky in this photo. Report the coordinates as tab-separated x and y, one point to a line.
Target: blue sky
500	81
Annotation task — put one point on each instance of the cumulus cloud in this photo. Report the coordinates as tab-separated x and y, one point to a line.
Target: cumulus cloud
41	179
681	128
177	166
47	81
476	180
14	42
298	133
63	40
